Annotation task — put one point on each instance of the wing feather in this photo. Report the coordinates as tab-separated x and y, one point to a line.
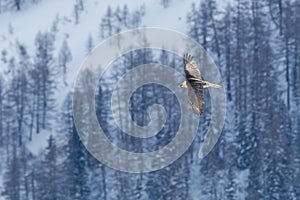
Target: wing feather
196	97
190	67
194	83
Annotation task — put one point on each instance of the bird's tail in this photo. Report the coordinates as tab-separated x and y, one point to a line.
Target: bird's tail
209	84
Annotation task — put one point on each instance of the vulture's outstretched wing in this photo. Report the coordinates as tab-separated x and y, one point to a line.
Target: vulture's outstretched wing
196	97
194	84
191	69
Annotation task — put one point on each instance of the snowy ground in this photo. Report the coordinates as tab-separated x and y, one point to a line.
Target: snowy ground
24	25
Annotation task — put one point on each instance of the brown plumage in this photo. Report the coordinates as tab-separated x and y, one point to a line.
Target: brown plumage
195	84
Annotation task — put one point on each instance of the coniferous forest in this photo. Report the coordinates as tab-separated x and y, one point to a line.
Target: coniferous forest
254	43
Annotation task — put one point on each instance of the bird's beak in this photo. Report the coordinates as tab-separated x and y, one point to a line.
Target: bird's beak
183	85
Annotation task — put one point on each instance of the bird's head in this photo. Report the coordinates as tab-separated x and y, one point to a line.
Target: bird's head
183	85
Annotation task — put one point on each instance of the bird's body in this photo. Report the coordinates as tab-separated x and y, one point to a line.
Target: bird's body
195	84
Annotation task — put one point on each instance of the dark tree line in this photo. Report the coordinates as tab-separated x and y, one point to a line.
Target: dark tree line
120	19
27	106
256	43
15	5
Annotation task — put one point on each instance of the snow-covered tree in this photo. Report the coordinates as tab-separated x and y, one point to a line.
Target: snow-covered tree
64	57
89	44
43	84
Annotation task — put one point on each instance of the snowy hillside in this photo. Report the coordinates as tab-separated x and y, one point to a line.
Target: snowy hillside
256	47
46	14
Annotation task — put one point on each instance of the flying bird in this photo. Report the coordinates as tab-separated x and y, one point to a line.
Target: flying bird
195	84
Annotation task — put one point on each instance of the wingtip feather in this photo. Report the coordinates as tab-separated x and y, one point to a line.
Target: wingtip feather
187	57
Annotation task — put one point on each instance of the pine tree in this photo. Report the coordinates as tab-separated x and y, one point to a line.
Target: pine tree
18	96
75	166
64	57
89	44
42	75
193	21
12	178
2	83
76	13
165	3
106	24
47	175
226	42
